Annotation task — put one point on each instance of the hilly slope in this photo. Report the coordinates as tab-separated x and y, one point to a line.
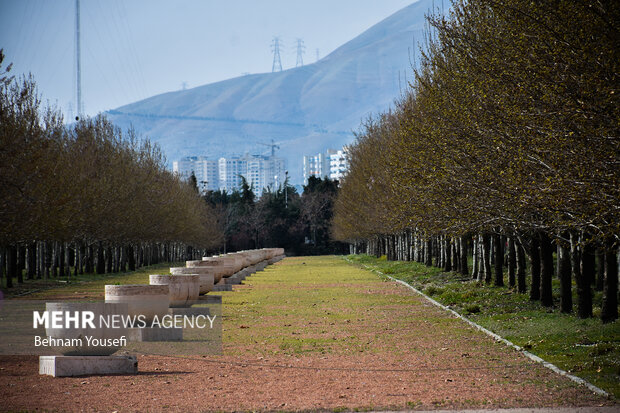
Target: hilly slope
306	109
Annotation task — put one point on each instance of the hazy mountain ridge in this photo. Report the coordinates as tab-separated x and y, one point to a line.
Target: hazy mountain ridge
305	109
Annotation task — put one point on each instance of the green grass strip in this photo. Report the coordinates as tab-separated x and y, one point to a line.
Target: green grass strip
587	348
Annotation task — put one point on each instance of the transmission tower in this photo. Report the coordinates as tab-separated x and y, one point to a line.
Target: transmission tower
275	49
78	59
300	52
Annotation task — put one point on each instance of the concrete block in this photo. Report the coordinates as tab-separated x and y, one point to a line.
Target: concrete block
233	281
189	311
211	298
69	366
223	287
236	278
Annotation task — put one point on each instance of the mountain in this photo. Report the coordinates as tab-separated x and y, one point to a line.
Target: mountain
305	110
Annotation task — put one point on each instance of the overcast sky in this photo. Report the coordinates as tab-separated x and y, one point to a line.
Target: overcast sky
133	49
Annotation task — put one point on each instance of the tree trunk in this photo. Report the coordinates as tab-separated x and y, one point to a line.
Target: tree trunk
2	265
499	260
31	261
115	260
463	245
54	259
535	268
100	259
564	273
521	286
584	286
68	259
447	251
546	270
428	252
512	261
77	258
20	264
61	259
609	310
588	264
47	259
474	260
486	257
39	260
3	272
600	269
456	256
108	259
11	265
131	258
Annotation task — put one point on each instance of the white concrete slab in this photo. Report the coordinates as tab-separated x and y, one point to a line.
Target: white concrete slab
69	366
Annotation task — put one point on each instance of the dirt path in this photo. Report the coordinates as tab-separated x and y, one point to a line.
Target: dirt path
314	334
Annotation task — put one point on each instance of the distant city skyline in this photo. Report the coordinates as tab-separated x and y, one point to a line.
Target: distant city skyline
134	50
225	173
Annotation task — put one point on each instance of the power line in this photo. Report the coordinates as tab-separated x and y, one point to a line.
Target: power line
275	49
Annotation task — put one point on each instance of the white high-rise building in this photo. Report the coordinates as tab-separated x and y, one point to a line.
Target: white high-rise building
314	165
207	174
230	172
332	164
260	171
184	167
338	164
205	170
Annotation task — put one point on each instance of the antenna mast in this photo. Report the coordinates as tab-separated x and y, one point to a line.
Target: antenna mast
78	56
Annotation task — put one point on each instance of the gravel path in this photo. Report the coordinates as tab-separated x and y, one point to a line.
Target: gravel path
316	334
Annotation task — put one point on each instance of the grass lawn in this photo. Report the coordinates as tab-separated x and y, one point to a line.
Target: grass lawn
84	286
585	348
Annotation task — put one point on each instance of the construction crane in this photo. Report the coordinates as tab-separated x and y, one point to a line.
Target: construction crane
272	145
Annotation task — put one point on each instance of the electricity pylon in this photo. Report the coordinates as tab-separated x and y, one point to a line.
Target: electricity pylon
300	51
275	49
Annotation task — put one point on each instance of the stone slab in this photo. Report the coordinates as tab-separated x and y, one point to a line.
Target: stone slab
189	311
235	278
154	334
233	281
210	298
223	287
69	366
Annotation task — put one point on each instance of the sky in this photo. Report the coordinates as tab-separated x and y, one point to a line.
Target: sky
134	49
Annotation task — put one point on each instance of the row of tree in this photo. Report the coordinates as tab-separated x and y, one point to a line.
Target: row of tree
87	196
504	148
280	217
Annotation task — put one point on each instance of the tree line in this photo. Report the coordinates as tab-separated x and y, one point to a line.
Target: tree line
503	153
87	197
280	217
